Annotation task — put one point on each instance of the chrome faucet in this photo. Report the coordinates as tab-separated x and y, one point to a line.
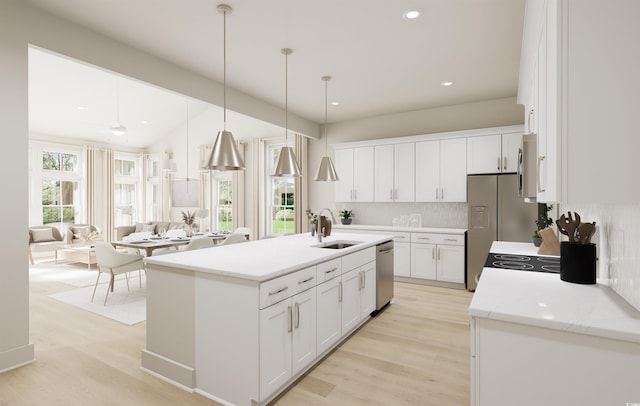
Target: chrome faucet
320	234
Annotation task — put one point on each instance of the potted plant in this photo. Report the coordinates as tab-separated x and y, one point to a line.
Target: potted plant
542	222
345	216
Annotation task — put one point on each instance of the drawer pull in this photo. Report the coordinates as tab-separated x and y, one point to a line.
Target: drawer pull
309	279
275	292
330	270
424	238
450	239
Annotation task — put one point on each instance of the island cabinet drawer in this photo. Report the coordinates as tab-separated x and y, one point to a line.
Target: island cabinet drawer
358	258
281	288
329	270
401	237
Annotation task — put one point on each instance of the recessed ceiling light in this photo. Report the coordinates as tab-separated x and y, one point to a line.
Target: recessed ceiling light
446	83
144	122
335	103
80	107
411	14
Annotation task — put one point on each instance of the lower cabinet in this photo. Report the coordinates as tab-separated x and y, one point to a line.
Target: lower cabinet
438	257
329	314
358	296
287	340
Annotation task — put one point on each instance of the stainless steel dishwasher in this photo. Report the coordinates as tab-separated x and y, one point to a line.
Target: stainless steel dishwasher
384	275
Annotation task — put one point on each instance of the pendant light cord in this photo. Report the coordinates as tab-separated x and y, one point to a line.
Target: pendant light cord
326	148
224	70
286	99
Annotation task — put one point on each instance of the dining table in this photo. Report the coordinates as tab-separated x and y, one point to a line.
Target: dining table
152	243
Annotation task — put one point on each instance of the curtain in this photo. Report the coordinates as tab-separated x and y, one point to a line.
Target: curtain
258	191
301	185
90	182
165	188
109	183
238	202
205	184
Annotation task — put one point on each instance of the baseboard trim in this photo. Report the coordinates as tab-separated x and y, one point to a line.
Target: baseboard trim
17	357
169	370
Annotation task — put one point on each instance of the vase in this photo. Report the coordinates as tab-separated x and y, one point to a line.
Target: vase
313	229
537	241
188	230
346	222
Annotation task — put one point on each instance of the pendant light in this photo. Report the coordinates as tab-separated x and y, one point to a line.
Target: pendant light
287	164
117	128
326	170
224	155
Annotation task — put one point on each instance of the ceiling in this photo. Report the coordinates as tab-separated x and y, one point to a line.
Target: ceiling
380	62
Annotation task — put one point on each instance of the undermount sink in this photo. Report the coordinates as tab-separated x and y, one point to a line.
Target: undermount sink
337	245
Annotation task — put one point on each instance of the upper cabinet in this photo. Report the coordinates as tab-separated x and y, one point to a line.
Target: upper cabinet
495	153
355	168
395	172
579	87
441	173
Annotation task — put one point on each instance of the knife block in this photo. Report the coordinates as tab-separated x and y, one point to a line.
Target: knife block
578	263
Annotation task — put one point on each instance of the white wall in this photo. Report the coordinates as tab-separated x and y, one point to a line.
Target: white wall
490	113
15	348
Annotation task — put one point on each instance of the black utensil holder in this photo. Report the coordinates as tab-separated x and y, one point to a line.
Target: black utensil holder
578	263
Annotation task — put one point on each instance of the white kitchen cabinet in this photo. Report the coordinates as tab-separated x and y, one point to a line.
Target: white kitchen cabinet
287	340
395	172
358	295
329	314
355	167
441	170
401	258
495	153
438	257
583	100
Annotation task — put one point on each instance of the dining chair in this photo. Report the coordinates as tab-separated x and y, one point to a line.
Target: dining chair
198	243
246	231
115	263
233	238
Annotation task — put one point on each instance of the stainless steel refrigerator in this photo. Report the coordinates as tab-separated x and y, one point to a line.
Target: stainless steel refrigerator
496	213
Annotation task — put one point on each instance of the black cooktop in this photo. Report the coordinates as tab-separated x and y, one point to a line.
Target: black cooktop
523	262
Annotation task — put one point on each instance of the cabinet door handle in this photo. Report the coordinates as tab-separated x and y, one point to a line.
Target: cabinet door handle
433	253
340	292
395	194
504	161
364	280
438	254
361	280
297	315
330	270
498	163
355	194
309	279
390	194
275	292
442	193
540	159
290	327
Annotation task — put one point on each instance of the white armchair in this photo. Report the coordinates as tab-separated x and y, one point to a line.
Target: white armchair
115	263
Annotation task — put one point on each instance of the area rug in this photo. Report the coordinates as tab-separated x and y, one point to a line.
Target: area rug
128	307
74	274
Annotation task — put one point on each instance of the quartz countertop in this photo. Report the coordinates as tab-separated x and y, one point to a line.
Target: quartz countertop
261	260
543	300
436	230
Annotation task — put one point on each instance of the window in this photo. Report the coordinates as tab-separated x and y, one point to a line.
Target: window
223	201
126	193
281	197
56	186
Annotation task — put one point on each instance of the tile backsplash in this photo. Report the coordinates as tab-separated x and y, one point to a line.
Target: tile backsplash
619	245
449	215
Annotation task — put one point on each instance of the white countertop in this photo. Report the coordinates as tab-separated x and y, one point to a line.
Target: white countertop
516	248
261	260
435	230
543	300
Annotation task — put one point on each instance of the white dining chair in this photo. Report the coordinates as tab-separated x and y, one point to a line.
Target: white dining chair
198	243
233	238
246	231
115	263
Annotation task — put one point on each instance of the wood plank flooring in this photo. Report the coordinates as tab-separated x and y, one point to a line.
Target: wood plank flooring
416	352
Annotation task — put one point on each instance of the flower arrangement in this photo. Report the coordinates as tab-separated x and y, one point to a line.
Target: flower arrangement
313	218
188	218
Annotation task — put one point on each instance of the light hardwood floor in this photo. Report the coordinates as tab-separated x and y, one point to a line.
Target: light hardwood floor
416	352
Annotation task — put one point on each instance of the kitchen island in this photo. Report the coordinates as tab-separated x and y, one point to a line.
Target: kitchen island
537	340
239	323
